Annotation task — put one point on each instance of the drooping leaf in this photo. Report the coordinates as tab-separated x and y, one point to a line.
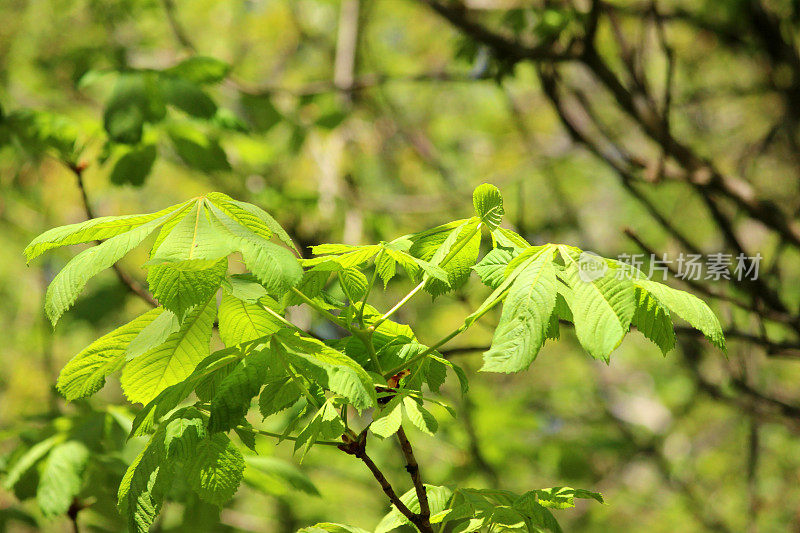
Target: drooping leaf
653	320
236	391
215	469
85	373
179	286
525	318
687	306
602	307
147	375
62	477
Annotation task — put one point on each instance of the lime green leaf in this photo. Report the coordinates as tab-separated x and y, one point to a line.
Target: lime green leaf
330	367
277	395
354	283
563	497
193	237
525	318
242	321
69	282
689	307
454	249
215	469
236	391
251	217
179	286
153	334
147	375
488	204
85	373
438	499
62	478
275	476
244	287
95	229
653	321
386	422
419	416
492	267
602	307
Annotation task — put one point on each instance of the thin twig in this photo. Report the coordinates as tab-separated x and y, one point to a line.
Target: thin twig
412	467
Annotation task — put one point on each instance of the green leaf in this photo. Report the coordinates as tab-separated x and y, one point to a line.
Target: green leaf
242	321
488	204
329	527
386	422
148	478
278	395
492	267
438	498
85	373
236	391
62	478
653	321
602	308
689	307
147	375
454	249
274	266
525	318
188	96
153	334
275	476
198	150
134	166
354	283
29	459
194	236
563	497
95	229
179	286
329	367
136	99
69	282
244	287
215	469
252	217
200	69
419	416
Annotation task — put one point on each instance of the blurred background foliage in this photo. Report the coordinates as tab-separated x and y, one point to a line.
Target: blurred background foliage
358	121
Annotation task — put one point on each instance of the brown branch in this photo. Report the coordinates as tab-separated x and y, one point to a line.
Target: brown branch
413	471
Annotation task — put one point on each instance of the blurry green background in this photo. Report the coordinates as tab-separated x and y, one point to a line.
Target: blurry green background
358	122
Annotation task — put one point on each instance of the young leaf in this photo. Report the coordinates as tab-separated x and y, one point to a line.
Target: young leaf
419	416
488	204
62	478
492	267
242	321
455	250
179	286
689	307
236	392
86	373
251	217
653	321
69	282
525	318
215	469
331	368
147	375
386	422
602	307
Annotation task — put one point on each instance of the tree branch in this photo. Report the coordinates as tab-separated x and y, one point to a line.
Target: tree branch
413	471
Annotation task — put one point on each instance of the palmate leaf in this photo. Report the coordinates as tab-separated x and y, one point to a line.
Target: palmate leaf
252	217
62	477
85	373
525	318
147	375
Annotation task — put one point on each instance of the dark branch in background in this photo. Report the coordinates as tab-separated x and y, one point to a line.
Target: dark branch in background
127	281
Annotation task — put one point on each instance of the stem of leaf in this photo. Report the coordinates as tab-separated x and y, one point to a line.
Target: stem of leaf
286	437
321	310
